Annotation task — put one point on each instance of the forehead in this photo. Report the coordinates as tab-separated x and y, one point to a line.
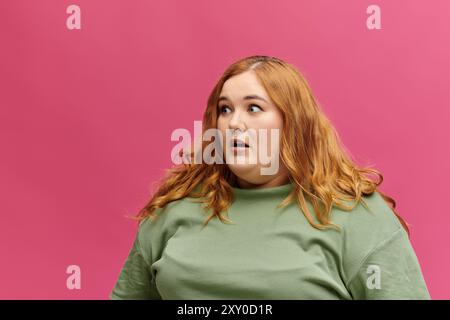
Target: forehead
243	84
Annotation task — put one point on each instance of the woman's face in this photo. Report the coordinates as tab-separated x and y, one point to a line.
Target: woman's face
245	109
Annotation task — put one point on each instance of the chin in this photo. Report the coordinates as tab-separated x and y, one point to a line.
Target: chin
244	171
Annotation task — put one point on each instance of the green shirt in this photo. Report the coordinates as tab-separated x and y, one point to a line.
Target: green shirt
270	253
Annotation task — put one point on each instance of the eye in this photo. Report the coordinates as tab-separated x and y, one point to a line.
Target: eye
223	108
255	105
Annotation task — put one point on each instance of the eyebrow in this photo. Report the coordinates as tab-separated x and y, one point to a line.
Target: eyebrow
250	97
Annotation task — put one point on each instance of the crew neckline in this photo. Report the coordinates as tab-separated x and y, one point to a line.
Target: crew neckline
268	191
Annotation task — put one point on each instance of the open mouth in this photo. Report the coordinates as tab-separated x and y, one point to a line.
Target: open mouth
239	144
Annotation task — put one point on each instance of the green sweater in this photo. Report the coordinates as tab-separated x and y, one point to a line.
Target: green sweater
270	253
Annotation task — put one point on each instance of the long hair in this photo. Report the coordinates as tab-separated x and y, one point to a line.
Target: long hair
320	168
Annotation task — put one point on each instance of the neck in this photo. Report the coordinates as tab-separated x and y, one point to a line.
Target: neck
279	191
277	181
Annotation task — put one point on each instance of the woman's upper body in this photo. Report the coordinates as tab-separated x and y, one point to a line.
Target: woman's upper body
271	253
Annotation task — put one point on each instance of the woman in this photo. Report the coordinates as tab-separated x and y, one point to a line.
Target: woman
315	228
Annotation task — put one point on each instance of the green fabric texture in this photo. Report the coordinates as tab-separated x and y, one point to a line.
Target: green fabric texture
270	253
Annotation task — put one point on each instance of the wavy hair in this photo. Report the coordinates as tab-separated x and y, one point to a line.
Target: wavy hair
320	168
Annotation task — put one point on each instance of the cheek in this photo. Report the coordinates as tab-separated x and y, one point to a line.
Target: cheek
221	127
221	123
269	121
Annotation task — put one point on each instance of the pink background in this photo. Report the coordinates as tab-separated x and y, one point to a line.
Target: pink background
86	116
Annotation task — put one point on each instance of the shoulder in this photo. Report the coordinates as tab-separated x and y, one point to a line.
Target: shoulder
166	221
365	229
375	221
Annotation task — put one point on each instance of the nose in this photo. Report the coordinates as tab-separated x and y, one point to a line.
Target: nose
236	122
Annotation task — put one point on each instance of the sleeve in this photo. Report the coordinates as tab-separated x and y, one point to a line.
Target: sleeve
135	280
391	271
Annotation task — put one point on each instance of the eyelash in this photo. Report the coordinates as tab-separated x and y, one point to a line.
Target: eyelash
225	106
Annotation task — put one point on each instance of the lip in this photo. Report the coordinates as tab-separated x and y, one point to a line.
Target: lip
236	147
239	150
